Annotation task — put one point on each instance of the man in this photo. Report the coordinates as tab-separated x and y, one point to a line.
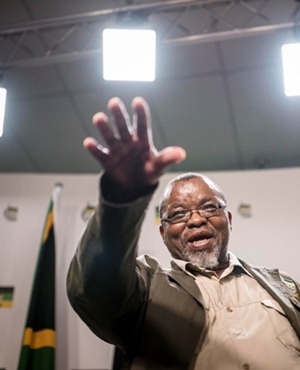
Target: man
210	310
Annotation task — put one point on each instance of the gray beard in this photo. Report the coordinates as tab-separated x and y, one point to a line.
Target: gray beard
206	259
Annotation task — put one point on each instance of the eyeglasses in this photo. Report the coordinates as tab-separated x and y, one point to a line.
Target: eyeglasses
183	215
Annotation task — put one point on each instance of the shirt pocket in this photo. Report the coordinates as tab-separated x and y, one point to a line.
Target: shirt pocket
283	330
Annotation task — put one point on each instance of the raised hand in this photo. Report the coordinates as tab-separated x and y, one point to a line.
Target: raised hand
129	157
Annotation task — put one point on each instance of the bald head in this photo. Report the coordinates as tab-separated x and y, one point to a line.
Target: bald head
186	177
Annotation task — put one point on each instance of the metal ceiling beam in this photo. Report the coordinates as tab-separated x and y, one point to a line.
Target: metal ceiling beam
21	54
34	26
227	35
189	40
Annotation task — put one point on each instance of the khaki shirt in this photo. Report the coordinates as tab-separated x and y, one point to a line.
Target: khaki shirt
246	327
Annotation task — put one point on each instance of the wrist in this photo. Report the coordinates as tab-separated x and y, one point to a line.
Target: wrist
114	192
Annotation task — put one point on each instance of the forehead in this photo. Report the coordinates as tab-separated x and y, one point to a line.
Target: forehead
195	189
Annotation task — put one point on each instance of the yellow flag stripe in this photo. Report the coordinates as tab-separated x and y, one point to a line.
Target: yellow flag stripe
5	304
48	224
39	339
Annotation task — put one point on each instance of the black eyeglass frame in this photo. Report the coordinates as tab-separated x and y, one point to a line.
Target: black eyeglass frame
202	211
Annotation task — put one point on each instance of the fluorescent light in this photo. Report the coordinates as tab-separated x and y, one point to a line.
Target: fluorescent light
291	68
2	108
129	55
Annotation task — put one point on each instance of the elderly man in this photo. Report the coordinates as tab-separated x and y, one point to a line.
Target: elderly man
210	310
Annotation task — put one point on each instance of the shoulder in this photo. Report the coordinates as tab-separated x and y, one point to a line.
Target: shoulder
266	270
258	268
274	275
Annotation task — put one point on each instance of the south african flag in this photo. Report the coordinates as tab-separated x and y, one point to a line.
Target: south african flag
38	347
6	297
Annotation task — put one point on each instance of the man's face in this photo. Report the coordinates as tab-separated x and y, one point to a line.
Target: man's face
199	240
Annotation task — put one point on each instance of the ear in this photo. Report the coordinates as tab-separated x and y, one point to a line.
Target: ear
162	231
230	219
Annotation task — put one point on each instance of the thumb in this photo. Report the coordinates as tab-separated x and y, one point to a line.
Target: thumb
171	155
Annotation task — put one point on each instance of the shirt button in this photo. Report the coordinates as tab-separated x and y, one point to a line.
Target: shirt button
229	309
246	367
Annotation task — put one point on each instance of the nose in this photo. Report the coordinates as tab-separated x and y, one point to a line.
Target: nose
196	219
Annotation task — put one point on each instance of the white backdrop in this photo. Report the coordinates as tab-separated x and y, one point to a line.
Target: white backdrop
270	237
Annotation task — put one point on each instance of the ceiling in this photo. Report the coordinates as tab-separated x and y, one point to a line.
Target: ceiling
218	91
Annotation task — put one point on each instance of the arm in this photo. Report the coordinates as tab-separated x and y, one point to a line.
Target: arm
104	285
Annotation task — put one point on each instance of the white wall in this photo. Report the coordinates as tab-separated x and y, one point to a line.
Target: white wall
270	237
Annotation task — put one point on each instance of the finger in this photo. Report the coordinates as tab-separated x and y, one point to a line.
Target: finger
91	144
97	150
166	157
142	119
121	118
100	120
156	167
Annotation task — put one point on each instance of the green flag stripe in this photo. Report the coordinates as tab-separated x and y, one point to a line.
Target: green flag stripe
41	311
6	296
38	359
